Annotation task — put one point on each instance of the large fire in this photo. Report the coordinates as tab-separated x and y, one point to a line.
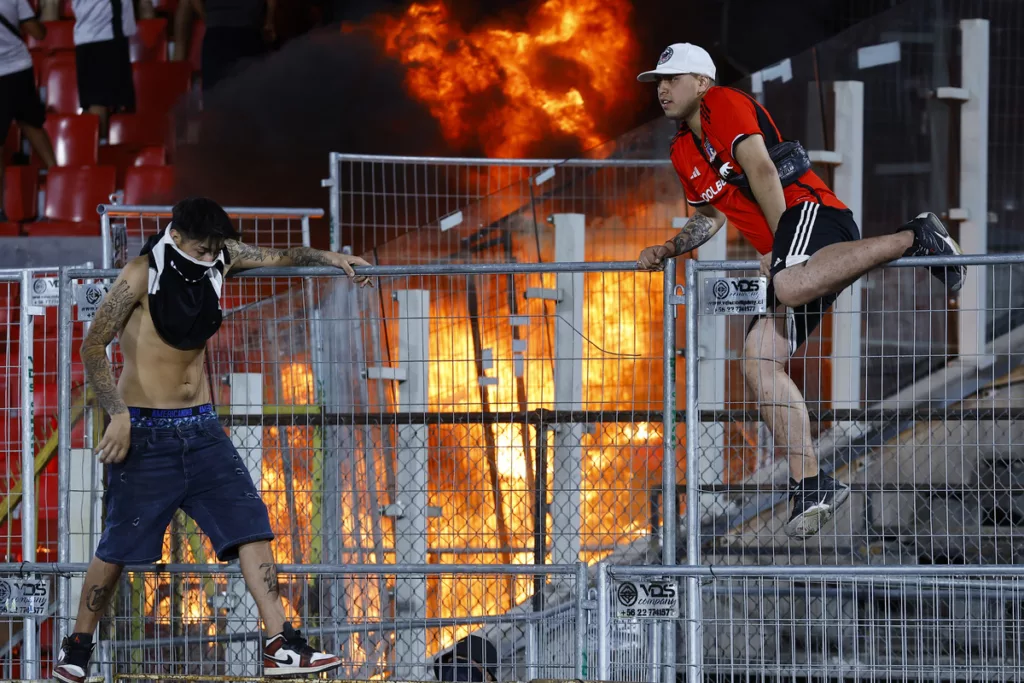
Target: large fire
503	89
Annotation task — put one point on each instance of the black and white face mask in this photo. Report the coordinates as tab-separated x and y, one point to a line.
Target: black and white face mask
184	293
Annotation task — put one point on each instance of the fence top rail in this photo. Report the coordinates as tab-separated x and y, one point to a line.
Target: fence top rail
10	275
22	568
133	210
391	271
911	262
834	572
475	161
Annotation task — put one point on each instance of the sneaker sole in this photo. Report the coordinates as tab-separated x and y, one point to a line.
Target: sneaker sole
283	671
65	679
936	226
810	522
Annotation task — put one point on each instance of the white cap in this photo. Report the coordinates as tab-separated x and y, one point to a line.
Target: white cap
681	58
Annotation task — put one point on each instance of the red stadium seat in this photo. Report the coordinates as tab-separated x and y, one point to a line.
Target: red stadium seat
62	88
21	185
75	138
72	195
151	155
49	60
149	44
139	130
149	185
67	9
160	85
60	35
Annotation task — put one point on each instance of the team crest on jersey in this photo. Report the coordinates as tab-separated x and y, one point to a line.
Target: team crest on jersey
665	56
710	150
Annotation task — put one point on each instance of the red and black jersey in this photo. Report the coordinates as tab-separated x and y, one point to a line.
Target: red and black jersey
728	116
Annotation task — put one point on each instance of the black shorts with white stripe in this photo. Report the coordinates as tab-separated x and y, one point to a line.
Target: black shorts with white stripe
803	230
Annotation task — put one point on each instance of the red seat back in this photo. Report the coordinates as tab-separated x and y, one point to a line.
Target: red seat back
72	194
138	130
60	35
75	138
148	185
21	184
62	88
149	44
50	59
160	85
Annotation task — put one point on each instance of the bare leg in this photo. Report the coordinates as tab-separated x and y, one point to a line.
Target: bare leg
837	266
104	114
97	590
40	141
260	574
182	31
766	352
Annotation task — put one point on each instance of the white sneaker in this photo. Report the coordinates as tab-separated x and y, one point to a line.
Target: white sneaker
288	654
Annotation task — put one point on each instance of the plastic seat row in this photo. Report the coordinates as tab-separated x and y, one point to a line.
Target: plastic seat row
158	85
72	195
149	44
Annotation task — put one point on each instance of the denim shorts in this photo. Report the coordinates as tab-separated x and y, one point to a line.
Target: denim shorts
179	459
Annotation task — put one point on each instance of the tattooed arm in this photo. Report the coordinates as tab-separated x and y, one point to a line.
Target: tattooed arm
699	229
245	256
113	313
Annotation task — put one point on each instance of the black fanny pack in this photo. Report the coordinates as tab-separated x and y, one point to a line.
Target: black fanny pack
790	159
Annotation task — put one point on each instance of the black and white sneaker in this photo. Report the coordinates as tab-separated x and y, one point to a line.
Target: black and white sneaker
815	501
73	660
932	239
288	654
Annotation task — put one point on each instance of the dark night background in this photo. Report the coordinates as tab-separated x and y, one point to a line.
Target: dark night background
264	140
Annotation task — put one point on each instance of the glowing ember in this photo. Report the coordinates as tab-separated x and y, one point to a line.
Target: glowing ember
505	89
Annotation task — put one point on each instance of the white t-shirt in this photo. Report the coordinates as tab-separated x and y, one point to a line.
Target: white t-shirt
94	20
14	55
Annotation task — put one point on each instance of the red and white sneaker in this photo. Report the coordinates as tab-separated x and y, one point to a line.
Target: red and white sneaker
73	660
288	654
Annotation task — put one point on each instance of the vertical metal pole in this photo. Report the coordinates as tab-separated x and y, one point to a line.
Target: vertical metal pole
540	513
604	663
695	643
105	243
411	503
711	378
849	187
29	513
670	515
581	618
63	449
568	377
333	185
246	399
974	75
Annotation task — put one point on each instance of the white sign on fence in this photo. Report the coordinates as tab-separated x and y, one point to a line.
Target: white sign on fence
24	596
646	599
88	298
45	291
735	295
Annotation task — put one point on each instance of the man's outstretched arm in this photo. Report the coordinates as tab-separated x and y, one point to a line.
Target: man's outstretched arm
763	177
245	256
702	226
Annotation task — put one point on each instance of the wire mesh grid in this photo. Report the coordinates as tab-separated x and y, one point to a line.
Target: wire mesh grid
931	466
184	621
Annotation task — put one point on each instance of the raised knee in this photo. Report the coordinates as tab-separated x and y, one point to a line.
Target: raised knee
787	292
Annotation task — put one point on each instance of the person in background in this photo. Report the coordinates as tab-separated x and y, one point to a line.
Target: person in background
19	99
236	31
102	57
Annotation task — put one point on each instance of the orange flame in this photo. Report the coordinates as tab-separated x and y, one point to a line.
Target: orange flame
506	90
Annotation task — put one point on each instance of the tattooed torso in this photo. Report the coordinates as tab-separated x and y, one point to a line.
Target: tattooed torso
155	375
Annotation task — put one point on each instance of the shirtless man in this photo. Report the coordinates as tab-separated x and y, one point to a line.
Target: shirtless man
811	247
164	444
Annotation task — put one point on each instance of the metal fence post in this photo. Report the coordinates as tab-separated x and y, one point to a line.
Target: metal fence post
711	378
670	515
568	380
695	644
411	510
105	243
849	187
333	185
63	449
581	618
29	512
974	75
603	623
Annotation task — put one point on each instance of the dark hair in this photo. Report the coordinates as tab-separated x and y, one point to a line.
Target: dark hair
199	218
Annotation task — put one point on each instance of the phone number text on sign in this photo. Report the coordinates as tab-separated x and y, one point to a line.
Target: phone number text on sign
735	295
24	596
650	599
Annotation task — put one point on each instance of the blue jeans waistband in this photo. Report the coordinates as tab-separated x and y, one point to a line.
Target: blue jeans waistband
171	417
